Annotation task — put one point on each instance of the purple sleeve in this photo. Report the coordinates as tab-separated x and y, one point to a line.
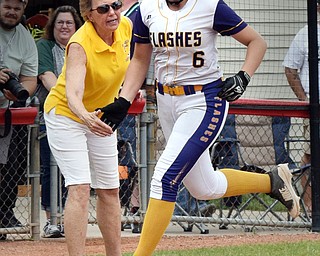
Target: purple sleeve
140	30
226	21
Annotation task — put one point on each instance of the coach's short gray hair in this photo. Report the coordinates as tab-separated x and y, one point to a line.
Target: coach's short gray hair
85	7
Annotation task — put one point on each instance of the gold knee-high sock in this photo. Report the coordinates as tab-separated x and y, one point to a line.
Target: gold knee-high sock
155	223
241	182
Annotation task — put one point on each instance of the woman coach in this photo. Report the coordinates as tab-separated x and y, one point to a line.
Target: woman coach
85	148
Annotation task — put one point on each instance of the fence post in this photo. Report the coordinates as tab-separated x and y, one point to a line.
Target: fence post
143	164
147	154
314	111
53	191
35	174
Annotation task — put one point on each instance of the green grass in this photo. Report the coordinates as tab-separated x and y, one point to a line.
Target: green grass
254	204
282	249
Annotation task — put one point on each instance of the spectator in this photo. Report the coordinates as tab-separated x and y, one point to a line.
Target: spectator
85	148
296	65
18	54
62	24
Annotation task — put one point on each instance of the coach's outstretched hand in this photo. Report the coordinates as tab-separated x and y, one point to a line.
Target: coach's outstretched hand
115	112
233	87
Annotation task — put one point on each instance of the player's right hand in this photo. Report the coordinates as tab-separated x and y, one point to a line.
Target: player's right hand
115	112
233	87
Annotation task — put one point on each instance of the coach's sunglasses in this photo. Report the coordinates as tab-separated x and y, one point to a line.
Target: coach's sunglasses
106	7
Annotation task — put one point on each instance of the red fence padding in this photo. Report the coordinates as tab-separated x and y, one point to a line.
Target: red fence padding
137	106
20	115
270	108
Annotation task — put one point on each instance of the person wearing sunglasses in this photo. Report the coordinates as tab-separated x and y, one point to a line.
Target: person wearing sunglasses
84	147
61	25
193	101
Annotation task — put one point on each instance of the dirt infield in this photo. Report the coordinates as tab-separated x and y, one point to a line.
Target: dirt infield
57	247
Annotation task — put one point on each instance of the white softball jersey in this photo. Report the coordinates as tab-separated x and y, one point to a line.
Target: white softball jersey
192	118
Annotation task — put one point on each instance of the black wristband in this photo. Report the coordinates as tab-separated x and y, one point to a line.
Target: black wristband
124	103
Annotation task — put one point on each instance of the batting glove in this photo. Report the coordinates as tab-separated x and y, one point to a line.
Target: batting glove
233	87
115	112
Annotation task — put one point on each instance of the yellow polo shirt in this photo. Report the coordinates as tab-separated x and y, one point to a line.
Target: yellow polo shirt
105	69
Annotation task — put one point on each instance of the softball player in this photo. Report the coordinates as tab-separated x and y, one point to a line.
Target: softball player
193	105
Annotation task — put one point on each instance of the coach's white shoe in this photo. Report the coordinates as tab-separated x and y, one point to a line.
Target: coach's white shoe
282	190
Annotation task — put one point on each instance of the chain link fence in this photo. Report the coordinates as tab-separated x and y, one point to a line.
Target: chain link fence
20	177
249	142
255	139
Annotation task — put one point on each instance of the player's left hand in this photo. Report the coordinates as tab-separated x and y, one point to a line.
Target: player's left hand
115	112
233	87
